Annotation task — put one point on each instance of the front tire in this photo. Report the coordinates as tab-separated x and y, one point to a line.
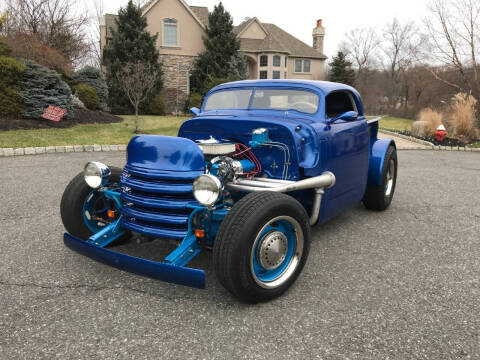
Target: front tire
262	246
81	205
379	197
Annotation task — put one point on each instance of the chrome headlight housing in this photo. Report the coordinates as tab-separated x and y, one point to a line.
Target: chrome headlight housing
96	174
207	189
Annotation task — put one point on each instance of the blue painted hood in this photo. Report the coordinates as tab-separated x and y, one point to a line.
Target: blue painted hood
297	133
164	153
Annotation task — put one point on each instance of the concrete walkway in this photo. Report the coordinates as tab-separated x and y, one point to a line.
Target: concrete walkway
403	144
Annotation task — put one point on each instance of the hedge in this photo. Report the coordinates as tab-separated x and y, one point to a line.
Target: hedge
157	106
11	72
87	95
94	78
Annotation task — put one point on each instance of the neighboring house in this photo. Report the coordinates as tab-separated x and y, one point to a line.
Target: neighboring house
270	52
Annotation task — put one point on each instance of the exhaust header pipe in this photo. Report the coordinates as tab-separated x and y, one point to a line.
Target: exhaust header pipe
319	183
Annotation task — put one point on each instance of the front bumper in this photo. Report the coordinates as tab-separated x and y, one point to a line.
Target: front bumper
143	267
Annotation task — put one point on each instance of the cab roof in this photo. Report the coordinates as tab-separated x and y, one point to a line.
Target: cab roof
326	87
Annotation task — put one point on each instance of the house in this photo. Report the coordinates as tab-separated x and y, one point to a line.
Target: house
271	53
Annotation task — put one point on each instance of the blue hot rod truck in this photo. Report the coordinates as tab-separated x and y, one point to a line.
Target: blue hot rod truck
260	163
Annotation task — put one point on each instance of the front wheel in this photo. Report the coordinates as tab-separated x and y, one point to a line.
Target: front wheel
84	210
262	246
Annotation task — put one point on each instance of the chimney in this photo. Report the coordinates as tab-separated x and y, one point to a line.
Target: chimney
318	36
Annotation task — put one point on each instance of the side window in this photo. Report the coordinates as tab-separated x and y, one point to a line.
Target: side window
170	32
264	60
263	74
338	102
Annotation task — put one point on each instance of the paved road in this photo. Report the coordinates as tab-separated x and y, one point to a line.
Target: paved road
402	143
403	284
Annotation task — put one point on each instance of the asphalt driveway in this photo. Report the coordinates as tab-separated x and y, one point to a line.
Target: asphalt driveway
402	284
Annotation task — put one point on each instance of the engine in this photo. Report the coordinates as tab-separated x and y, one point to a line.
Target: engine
228	160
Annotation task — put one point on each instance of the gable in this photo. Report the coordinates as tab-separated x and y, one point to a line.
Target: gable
254	30
168	6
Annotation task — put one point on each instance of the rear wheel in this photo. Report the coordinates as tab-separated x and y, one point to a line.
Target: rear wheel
379	197
262	246
84	210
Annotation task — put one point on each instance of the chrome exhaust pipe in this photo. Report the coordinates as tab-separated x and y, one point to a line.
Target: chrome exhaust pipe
319	183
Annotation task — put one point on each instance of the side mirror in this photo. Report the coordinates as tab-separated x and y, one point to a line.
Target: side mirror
195	111
346	116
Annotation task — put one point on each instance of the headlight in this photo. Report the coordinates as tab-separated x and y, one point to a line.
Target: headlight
96	174
207	189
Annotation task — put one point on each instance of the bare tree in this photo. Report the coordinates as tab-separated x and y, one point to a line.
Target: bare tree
60	24
399	47
137	80
361	45
453	29
98	10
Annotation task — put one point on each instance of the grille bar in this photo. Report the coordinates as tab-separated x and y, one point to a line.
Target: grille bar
153	216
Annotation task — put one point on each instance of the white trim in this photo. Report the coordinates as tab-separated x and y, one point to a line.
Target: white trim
153	3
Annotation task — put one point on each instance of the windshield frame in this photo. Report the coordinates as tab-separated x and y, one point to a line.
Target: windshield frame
260	88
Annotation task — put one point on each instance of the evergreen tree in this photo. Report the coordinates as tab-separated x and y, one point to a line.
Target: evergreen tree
341	70
130	43
221	58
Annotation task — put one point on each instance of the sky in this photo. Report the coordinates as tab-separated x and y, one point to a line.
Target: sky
298	17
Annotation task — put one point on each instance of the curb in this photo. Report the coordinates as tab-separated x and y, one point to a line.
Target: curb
428	144
7	152
4	152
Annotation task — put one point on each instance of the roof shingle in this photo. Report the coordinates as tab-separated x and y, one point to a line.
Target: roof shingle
277	40
202	13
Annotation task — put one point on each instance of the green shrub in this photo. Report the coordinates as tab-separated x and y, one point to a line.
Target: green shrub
87	95
11	72
41	87
4	49
93	77
157	106
195	100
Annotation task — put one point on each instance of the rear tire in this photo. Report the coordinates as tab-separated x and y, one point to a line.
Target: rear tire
379	197
73	201
262	246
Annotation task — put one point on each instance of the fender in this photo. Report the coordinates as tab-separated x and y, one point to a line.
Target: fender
378	150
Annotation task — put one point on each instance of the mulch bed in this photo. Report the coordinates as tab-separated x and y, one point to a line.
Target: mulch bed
81	116
446	142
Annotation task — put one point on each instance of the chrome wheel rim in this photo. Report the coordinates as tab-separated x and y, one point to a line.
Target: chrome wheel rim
390	177
276	252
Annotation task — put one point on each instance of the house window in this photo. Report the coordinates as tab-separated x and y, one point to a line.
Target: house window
286	59
170	32
306	66
264	60
298	65
276	75
286	75
302	65
276	60
263	74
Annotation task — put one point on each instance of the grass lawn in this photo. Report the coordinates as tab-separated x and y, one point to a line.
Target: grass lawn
396	124
108	134
475	145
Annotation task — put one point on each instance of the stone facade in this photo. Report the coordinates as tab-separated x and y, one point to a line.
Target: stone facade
176	77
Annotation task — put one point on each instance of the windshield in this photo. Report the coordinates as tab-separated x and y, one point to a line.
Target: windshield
277	99
229	99
264	99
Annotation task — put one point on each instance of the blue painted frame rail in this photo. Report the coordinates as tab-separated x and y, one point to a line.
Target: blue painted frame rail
143	267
